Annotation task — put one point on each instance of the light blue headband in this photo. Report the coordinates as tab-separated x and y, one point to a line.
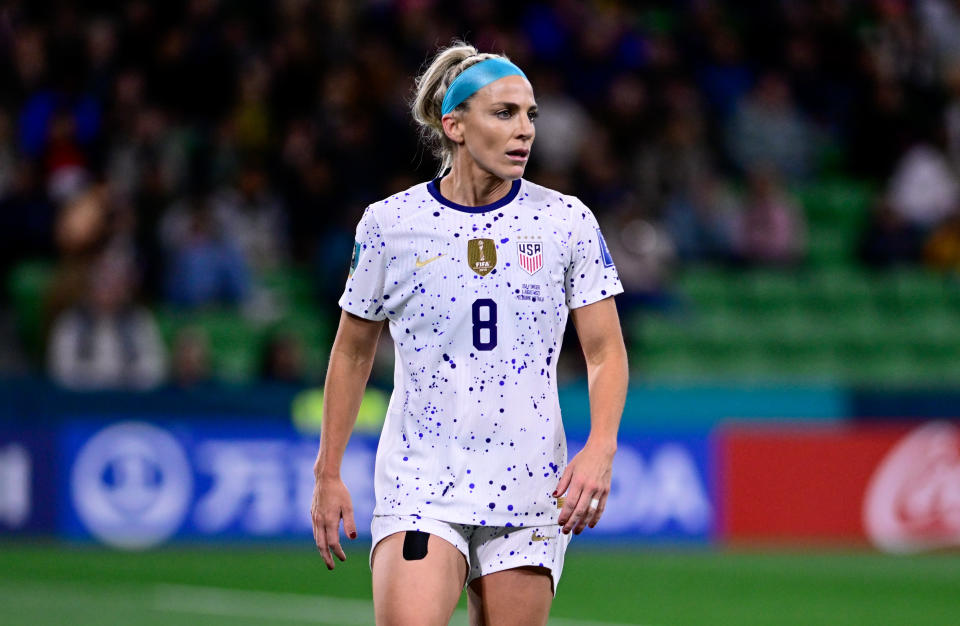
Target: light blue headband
474	78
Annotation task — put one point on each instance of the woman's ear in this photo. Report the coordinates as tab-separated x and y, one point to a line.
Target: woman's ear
453	127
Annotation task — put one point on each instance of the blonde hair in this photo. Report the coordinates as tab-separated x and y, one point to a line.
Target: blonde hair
431	87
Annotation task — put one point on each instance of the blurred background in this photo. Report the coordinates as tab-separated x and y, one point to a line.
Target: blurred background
779	183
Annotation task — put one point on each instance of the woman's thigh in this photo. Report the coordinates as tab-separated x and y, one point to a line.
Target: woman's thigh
521	596
423	590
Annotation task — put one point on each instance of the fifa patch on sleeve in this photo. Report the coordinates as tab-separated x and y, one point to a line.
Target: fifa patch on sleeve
355	258
604	250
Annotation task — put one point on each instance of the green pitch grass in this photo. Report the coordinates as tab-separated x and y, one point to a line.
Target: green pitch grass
51	584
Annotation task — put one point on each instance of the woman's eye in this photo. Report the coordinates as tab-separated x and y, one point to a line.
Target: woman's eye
533	115
504	115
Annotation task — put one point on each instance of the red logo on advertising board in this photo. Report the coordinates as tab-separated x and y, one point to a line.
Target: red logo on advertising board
913	500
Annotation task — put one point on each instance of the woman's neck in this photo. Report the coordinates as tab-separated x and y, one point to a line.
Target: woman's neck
471	186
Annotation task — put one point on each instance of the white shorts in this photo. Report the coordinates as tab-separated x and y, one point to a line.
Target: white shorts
488	549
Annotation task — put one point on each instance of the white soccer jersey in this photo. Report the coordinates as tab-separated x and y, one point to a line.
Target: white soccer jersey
477	299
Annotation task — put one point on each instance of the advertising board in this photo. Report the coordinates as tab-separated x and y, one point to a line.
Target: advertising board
26	482
136	484
896	486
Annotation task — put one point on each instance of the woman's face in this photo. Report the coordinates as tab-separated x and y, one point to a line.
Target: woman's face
496	130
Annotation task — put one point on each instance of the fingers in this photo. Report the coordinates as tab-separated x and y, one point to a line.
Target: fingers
577	513
326	536
571	498
582	511
333	541
593	512
567	516
349	526
327	559
586	480
331	503
599	511
319	535
564	482
588	514
337	549
316	521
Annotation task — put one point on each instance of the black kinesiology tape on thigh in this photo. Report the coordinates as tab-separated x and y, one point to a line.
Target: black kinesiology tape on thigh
415	545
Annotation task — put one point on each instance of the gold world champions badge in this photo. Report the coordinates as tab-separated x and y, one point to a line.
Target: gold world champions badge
482	255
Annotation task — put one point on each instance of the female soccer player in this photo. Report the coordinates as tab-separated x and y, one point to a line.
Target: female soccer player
476	272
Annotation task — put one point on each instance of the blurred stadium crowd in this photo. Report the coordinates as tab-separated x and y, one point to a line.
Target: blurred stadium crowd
179	181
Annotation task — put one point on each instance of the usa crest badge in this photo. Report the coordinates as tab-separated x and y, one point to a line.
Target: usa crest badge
530	256
482	255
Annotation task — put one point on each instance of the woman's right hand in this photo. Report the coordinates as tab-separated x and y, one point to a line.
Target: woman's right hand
331	503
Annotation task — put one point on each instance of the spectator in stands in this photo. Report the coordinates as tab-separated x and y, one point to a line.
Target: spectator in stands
627	113
923	190
106	341
890	239
8	160
190	360
252	217
66	165
138	137
674	163
771	230
283	360
561	126
600	171
26	217
882	129
204	266
895	47
81	231
942	250
939	21
703	219
768	130
647	256
951	117
251	116
60	122
724	76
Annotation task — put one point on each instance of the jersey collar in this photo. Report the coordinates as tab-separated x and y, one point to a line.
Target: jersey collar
434	188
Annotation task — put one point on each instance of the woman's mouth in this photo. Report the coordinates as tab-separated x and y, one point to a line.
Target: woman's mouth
520	155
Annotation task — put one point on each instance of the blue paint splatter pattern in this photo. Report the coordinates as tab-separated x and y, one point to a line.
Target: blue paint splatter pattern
473	432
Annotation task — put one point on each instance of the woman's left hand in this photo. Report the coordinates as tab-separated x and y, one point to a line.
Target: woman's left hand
585	479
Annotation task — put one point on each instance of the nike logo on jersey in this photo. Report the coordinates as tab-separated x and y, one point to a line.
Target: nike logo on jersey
537	537
430	260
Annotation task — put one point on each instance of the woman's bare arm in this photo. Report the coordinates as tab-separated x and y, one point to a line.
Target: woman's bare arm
351	359
589	473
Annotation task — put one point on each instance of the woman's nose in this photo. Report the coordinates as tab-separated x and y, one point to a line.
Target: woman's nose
526	128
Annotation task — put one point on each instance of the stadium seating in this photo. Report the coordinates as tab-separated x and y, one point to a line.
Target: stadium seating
27	286
236	343
830	320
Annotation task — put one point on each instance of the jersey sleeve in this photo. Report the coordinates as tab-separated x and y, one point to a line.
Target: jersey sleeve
591	274
363	294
